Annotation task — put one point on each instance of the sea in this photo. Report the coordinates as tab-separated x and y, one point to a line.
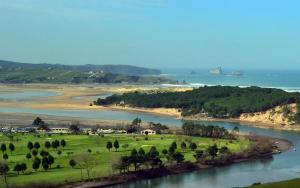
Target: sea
288	80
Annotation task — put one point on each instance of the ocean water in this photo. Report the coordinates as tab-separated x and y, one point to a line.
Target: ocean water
288	80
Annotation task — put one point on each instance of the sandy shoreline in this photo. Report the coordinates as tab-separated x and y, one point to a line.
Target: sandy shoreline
69	94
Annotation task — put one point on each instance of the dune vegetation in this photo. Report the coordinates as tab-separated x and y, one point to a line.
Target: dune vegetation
215	101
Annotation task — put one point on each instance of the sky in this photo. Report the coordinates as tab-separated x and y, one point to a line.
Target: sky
153	33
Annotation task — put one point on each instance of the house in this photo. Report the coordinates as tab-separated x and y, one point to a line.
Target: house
122	103
105	131
148	131
59	130
86	130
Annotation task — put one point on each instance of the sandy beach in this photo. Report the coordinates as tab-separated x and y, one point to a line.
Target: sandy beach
72	97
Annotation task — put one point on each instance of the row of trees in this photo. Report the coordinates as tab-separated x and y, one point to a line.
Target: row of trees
110	145
139	159
54	144
11	147
211	131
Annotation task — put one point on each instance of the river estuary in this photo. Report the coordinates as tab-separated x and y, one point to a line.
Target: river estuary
281	167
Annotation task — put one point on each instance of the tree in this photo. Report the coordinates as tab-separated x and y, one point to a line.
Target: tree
109	145
122	164
18	168
213	151
30	145
158	127
50	160
44	153
193	146
5	156
3	148
36	145
199	155
34	152
116	145
74	128
141	152
134	158
11	147
137	121
63	143
224	150
171	150
38	121
178	157
28	156
135	126
59	153
55	144
45	164
86	161
183	145
4	168
47	145
165	151
153	157
72	163
40	124
36	164
174	145
23	167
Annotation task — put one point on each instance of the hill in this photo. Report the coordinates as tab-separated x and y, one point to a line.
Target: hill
114	69
13	72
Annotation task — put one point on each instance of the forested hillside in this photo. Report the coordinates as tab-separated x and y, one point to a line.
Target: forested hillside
114	69
216	101
12	73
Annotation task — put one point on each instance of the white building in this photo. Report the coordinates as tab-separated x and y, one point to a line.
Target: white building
148	131
105	131
59	130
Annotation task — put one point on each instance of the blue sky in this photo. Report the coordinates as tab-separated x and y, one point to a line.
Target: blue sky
154	33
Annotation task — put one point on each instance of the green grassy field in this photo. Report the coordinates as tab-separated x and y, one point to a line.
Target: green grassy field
79	144
284	184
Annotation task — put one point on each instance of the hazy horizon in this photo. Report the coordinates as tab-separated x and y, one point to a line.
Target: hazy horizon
152	33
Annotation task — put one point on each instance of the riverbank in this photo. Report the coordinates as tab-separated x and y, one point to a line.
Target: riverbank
281	145
284	184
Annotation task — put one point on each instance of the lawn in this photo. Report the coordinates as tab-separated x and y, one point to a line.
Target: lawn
78	144
284	184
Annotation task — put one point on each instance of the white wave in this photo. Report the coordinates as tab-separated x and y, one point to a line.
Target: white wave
193	85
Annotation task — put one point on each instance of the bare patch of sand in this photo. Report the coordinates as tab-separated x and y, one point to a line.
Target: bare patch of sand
72	96
160	111
274	116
